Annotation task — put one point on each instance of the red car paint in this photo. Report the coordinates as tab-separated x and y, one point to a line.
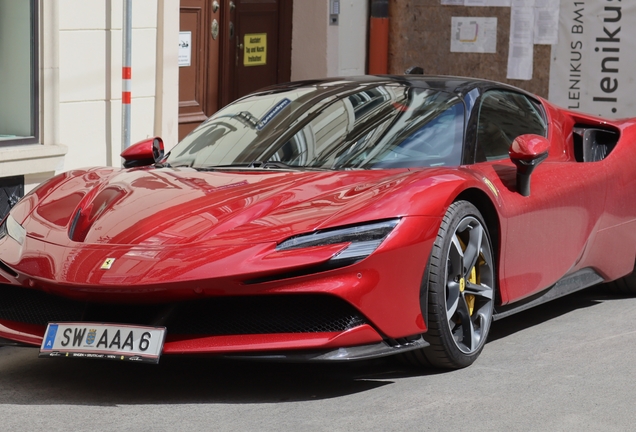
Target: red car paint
181	234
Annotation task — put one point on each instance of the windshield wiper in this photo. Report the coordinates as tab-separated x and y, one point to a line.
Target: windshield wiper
167	165
270	164
250	166
260	165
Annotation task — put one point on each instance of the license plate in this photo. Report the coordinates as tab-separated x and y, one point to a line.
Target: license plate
103	341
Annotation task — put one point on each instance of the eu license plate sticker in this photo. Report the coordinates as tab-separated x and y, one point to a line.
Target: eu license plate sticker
103	341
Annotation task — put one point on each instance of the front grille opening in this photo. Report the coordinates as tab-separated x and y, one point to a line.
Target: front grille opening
270	314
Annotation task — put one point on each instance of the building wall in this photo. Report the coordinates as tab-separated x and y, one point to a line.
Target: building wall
319	49
420	36
80	57
352	43
80	85
90	53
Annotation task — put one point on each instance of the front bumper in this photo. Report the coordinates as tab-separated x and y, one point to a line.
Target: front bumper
373	303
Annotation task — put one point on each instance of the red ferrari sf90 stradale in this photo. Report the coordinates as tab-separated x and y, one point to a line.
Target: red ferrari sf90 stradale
326	220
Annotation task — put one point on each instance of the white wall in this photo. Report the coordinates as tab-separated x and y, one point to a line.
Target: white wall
319	49
90	55
352	53
80	85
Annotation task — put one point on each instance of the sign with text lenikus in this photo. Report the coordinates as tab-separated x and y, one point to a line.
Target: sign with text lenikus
593	64
255	49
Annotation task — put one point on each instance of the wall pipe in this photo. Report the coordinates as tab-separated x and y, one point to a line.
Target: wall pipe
379	37
126	74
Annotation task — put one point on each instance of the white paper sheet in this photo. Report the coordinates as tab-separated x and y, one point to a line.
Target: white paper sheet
521	45
479	2
523	3
546	22
474	34
502	3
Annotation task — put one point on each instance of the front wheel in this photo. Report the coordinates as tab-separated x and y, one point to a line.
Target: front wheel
461	290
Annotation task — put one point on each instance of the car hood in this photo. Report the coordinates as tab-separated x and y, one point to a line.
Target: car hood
160	207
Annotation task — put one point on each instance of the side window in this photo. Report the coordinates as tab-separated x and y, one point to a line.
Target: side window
503	116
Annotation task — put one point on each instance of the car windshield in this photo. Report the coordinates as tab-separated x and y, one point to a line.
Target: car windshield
344	125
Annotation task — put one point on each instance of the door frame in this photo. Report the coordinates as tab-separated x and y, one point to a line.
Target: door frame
227	83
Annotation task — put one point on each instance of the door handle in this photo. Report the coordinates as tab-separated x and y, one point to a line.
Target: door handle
215	29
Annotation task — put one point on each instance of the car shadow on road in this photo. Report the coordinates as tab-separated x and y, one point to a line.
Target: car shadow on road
548	311
25	379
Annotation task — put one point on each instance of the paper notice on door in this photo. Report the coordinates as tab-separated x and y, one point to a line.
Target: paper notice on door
474	34
255	47
521	45
185	48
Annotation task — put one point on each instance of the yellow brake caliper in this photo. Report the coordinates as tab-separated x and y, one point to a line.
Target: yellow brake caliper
472	278
470	298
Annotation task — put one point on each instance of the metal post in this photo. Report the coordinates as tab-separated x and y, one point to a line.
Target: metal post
126	71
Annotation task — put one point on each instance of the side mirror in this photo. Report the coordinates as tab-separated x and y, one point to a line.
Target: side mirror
527	152
143	153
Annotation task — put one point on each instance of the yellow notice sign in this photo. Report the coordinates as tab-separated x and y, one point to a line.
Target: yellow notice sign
255	49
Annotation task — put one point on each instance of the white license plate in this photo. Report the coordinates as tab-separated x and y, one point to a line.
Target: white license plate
103	341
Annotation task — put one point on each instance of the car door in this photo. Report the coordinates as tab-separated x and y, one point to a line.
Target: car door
545	234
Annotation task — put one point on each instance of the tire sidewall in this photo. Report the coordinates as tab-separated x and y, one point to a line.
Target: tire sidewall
437	282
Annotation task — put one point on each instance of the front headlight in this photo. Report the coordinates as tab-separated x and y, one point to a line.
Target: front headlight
364	239
13	229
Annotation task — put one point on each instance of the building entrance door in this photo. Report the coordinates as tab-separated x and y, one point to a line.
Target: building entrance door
236	46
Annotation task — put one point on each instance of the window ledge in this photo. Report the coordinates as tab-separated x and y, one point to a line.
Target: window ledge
31	159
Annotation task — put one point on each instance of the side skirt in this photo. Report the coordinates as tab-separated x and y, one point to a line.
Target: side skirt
575	282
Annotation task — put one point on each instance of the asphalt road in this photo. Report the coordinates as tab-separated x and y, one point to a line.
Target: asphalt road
568	365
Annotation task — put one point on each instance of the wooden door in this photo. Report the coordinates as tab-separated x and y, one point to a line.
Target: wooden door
220	68
257	50
198	62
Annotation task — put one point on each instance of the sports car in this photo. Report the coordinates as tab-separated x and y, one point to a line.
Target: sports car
339	219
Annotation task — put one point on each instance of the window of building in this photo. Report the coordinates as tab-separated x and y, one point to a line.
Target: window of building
18	72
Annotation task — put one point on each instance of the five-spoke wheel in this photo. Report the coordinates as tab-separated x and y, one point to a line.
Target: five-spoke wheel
460	281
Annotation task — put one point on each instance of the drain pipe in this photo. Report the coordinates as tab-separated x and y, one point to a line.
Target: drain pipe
126	74
379	37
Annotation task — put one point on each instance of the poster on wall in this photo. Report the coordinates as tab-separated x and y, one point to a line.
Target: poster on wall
546	22
521	43
593	65
474	34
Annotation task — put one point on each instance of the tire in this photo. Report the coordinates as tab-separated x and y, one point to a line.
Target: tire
461	290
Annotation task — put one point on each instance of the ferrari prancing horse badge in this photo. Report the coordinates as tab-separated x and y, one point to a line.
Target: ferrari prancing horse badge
108	263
